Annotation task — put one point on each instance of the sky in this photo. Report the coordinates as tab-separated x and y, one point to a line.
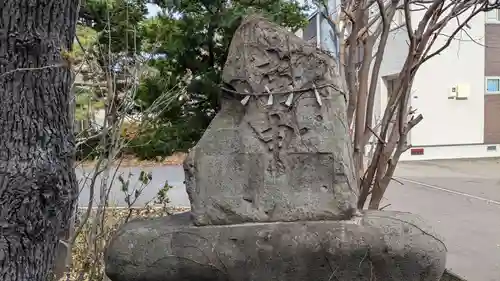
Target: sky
152	10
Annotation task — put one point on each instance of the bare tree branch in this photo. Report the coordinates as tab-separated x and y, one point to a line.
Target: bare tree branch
365	30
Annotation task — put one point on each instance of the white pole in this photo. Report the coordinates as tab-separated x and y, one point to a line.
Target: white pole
328	38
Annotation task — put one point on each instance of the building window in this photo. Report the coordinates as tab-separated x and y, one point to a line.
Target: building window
310	31
493	85
493	16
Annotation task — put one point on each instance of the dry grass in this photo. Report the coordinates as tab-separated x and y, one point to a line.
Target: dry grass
88	250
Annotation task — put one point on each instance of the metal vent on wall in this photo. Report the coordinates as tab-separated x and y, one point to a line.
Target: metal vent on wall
417	151
491	148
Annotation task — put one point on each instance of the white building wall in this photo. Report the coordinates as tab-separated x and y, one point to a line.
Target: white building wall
451	128
452	121
468	151
394	58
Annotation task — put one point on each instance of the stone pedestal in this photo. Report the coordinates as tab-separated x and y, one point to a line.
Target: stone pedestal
388	246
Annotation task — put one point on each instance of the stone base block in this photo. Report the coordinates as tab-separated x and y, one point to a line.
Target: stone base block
382	246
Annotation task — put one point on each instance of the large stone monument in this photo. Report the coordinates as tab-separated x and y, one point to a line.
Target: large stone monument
272	189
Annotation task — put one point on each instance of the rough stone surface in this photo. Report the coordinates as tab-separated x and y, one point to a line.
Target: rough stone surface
386	246
272	188
263	163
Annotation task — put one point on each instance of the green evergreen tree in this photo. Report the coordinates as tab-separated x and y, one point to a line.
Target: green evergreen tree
191	38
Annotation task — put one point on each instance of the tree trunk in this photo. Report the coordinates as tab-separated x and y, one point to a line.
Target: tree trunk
38	187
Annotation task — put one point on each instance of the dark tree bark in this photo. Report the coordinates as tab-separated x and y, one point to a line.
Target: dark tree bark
38	188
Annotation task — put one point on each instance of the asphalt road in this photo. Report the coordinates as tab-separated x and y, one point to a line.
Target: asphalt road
174	175
459	198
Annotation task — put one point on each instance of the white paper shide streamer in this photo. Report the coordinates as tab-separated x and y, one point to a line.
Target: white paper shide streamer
270	99
318	97
245	100
289	99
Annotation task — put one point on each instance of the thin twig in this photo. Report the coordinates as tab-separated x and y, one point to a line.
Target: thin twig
31	69
376	135
414	225
384	207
